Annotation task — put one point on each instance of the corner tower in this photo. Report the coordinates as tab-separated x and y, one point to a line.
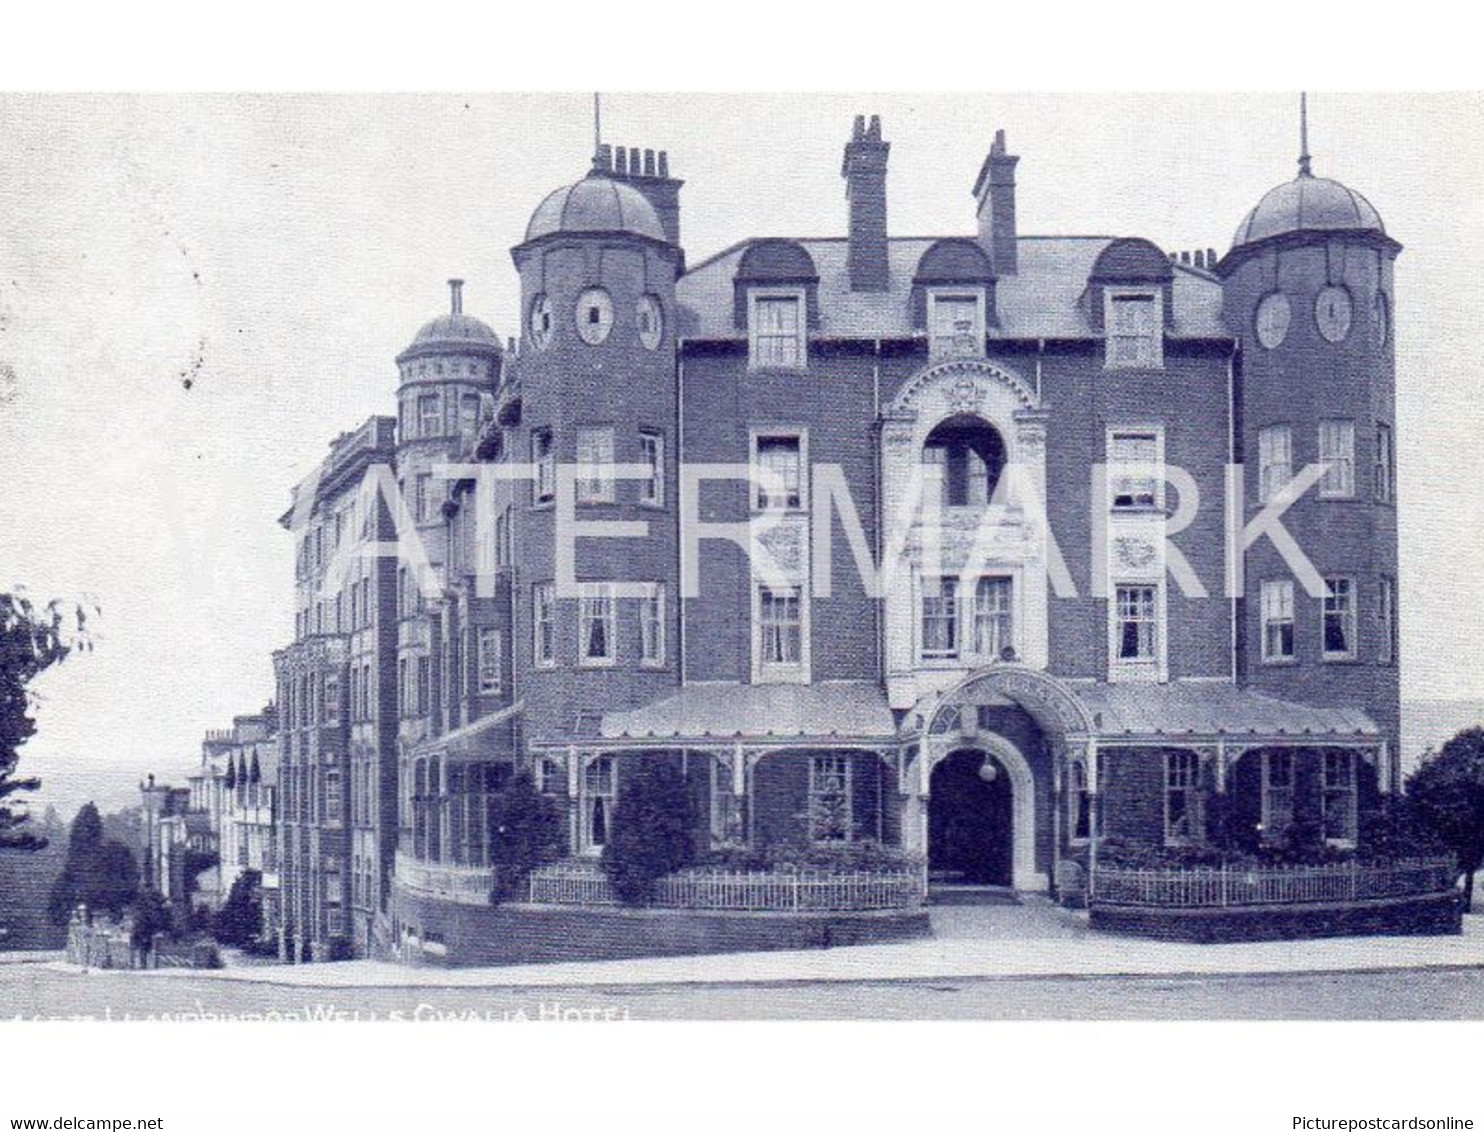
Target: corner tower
598	388
1308	290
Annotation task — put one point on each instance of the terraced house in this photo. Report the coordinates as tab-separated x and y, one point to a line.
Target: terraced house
1019	424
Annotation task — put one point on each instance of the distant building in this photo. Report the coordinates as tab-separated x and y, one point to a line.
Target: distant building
972	713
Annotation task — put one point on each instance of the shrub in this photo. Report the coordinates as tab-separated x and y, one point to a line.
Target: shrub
526	831
240	920
152	916
652	833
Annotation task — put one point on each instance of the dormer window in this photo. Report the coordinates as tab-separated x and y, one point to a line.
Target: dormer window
776	329
956	323
1135	329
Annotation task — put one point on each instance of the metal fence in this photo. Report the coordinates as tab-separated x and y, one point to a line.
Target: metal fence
458	884
720	891
1244	887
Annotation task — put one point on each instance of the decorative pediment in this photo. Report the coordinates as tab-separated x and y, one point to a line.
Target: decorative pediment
964	384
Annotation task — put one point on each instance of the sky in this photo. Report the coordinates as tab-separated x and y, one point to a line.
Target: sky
197	293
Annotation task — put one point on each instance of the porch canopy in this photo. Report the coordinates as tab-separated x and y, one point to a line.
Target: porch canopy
1211	712
491	738
847	711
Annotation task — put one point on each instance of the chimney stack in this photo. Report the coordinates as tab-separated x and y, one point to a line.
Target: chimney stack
648	171
994	190
864	170
456	295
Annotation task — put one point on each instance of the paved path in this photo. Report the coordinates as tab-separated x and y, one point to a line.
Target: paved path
1033	941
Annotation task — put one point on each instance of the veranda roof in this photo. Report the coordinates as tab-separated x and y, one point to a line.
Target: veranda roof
843	710
491	737
1215	710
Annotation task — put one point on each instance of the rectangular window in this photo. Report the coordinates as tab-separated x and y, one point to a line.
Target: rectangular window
1277	794
332	701
423	504
1181	776
543	455
1138	624
1079	802
468	413
1339	618
551	777
993	618
780	617
489	660
1337	454
955	324
1386	615
940	636
1277	620
600	794
543	617
779	464
1339	797
332	794
597	637
595	465
1135	471
831	821
1134	330
429	415
726	808
652	456
652	626
1274	460
1385	465
422	685
777	331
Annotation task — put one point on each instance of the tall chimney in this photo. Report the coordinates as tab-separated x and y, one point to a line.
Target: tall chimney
864	170
649	172
994	190
456	295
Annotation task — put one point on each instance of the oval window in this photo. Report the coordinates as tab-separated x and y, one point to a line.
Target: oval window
651	317
541	322
594	315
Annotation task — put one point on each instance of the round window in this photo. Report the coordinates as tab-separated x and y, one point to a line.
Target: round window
1381	316
651	318
1332	311
594	315
541	322
1273	316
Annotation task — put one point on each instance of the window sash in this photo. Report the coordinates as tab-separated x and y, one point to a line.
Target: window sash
543	455
1274	460
956	326
652	625
1339	796
489	660
544	624
780	620
777	331
1134	332
782	456
1135	468
595	465
1386	614
831	810
1277	620
652	451
596	624
1385	465
1138	623
939	617
1181	777
993	616
1337	453
1339	618
429	415
1277	793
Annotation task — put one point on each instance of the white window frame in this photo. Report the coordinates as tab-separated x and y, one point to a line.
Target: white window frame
1078	792
1120	473
1337	453
1385	486
1006	616
429	409
595	459
948	587
1274	460
759	500
767	671
1387	618
543	625
1349	613
489	660
942	347
758	296
1348	792
1182	772
1278	609
1154	358
1277	800
652	454
544	489
1137	668
599	783
833	771
597	600
652	626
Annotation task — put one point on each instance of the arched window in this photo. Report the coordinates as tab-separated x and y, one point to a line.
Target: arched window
965	455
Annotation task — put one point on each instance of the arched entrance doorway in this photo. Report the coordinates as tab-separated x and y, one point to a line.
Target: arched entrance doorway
971	832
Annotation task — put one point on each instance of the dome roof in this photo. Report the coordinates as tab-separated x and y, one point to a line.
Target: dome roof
596	204
1308	204
454	332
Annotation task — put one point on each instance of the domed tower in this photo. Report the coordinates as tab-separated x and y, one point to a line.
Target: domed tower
598	387
1308	291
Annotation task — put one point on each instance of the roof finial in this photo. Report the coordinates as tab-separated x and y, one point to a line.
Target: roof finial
1304	158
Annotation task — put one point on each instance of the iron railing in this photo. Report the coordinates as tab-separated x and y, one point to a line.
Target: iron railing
1237	886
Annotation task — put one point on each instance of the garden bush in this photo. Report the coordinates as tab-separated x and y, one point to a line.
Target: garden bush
652	833
527	831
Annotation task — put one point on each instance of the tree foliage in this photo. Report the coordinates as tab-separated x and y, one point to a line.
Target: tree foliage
239	922
526	831
32	640
1448	791
653	830
152	916
99	873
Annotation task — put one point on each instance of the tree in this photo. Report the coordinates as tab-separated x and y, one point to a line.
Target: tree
152	916
99	873
31	641
526	831
231	782
1448	791
239	923
653	831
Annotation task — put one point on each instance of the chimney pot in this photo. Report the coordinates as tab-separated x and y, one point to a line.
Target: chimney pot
621	161
634	165
664	163
860	128
456	295
994	190
1211	258
649	163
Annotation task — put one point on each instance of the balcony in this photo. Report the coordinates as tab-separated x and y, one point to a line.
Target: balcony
456	884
